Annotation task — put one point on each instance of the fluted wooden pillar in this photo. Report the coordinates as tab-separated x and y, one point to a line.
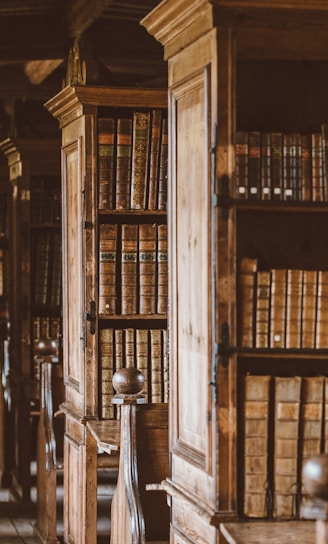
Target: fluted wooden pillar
127	519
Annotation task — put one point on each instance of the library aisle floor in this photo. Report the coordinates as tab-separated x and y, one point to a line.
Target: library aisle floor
17	519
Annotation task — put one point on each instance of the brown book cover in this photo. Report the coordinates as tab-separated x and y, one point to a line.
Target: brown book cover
147	268
119	352
309	309
256	436
166	376
154	159
41	272
156	361
286	433
254	165
306	167
56	270
325	417
142	356
106	354
107	269
246	292
311	418
294	308
297	163
140	159
163	167
265	166
317	172
278	308
276	166
105	150
130	351
324	133
288	164
322	311
123	163
162	269
241	165
129	269
262	319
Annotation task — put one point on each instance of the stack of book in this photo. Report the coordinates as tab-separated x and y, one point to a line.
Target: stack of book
279	166
132	161
282	308
284	423
144	349
133	272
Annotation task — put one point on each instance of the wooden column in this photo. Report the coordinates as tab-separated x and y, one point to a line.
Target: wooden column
315	480
127	520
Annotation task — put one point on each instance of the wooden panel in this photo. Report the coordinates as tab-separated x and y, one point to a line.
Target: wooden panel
72	271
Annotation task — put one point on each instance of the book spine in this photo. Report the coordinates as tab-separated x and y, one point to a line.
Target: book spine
56	271
324	133
266	166
130	352
317	176
163	167
306	168
276	165
278	308
322	311
147	269
166	376
123	163
325	417
254	165
105	150
42	257
263	284
129	264
162	270
241	165
154	159
156	365
142	357
140	159
311	420
107	303
106	338
309	308
288	170
294	308
286	432
297	160
246	292
256	444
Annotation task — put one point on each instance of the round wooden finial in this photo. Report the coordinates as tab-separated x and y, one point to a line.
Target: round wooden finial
45	346
128	381
315	476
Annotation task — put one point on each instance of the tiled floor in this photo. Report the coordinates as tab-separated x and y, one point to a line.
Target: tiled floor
17	519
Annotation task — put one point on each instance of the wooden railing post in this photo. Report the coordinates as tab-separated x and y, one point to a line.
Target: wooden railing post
127	519
315	480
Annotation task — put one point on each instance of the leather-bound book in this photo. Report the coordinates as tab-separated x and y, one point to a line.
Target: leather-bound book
309	308
294	308
288	171
140	159
297	163
306	167
155	141
246	301
147	268
265	166
254	165
241	165
286	435
317	172
166	370
322	311
130	352
106	356
105	152
324	133
276	166
142	356
278	308
163	166
107	269
256	445
262	320
123	163
129	269
156	361
162	269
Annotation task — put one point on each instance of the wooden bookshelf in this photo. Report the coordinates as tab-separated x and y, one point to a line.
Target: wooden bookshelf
247	209
114	164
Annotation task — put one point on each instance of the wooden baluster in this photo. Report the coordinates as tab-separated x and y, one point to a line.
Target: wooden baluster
127	520
315	480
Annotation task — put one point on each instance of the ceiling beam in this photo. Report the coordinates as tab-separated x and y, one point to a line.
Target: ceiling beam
81	14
